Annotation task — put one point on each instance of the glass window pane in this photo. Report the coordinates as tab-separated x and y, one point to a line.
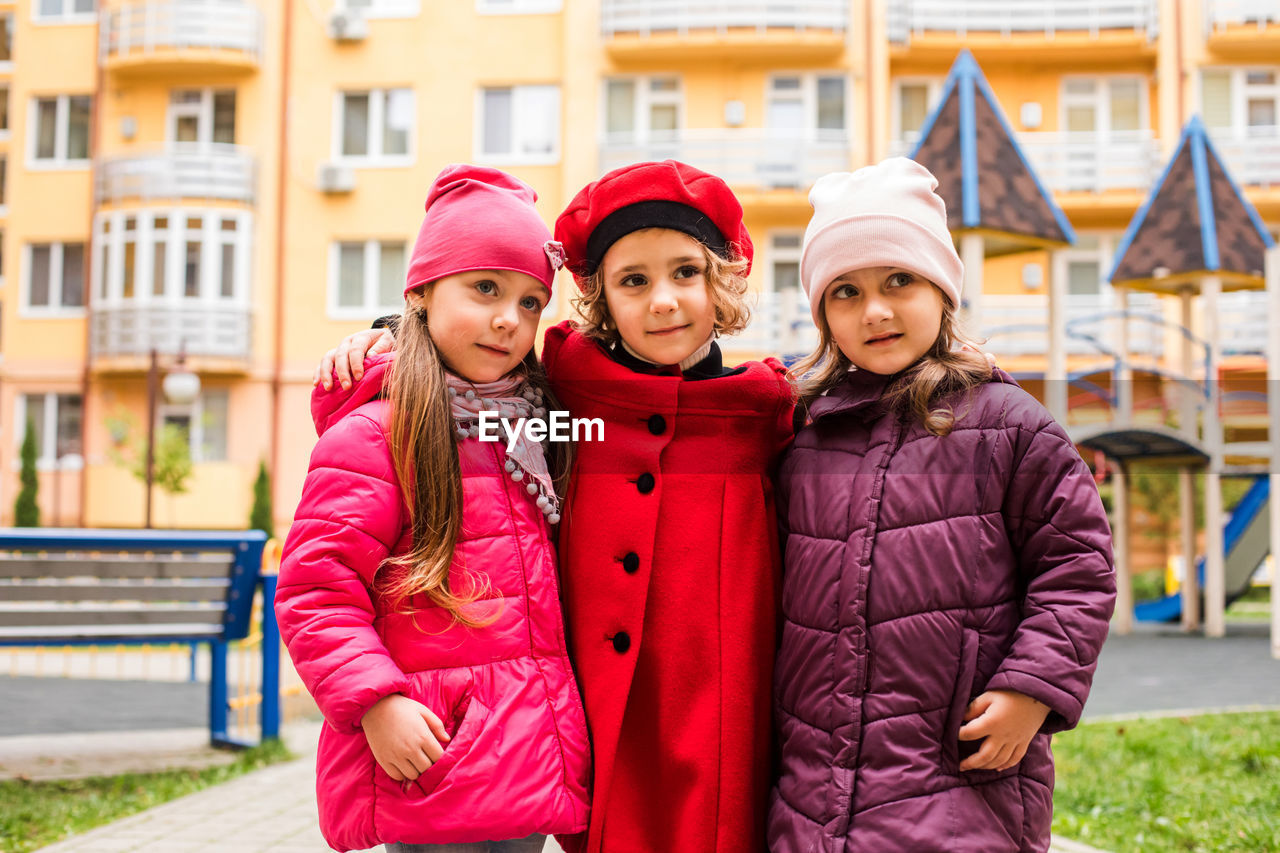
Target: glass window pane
831	103
187	129
40	268
228	288
620	107
391	275
50	8
185	96
78	128
213	423
664	118
497	121
913	107
1080	87
130	265
786	276
4	107
1261	112
1215	98
159	273
1081	119
70	416
786	84
181	420
4	180
34	404
538	117
351	275
191	270
664	84
1084	277
84	6
355	125
1260	78
73	275
224	117
6	37
397	120
46	128
786	241
1126	105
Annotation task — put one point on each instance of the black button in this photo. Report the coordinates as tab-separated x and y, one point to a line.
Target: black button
621	642
646	483
657	424
631	563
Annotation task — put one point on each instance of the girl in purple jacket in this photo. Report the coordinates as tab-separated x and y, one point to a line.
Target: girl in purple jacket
948	576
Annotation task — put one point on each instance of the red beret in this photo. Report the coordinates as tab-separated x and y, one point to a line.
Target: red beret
651	195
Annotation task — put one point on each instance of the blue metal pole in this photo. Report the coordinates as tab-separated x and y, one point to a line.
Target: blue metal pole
218	692
270	660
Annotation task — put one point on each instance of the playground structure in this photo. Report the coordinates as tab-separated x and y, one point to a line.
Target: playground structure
1195	235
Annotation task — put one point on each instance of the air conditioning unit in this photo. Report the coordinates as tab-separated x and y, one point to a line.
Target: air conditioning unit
348	25
335	178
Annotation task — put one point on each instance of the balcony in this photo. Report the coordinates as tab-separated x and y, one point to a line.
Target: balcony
1017	325
201	331
181	171
770	30
1244	314
162	37
1252	154
746	158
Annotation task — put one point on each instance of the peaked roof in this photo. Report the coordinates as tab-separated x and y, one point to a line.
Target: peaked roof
1195	222
983	175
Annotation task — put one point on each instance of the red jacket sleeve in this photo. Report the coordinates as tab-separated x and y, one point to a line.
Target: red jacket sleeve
346	524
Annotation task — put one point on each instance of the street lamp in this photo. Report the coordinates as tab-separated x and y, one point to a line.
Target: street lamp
181	387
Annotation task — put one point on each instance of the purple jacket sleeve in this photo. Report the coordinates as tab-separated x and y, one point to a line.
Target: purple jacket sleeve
347	522
1062	539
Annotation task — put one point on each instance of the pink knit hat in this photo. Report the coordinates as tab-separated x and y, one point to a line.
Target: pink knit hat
482	219
886	215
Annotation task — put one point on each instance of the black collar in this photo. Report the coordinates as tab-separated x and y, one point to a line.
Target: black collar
711	367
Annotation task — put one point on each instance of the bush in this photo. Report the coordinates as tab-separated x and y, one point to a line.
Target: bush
261	517
26	511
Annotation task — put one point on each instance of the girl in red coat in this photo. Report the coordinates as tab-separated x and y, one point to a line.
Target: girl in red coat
667	541
418	593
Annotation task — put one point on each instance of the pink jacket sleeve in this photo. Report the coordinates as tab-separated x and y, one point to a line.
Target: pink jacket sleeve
347	522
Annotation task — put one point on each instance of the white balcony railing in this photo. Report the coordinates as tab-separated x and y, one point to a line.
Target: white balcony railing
198	330
743	157
1083	162
1224	13
1005	17
680	16
1252	155
1242	315
182	171
145	27
1019	325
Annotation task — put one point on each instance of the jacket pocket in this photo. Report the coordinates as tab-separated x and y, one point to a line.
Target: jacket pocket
473	716
953	750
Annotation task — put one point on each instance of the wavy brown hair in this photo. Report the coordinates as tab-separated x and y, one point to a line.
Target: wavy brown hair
424	453
725	277
944	370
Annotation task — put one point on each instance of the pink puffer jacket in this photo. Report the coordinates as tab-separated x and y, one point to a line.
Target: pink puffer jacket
519	758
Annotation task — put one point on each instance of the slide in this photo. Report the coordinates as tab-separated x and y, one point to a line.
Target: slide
1247	537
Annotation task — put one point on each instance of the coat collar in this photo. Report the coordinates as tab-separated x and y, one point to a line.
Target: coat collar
860	391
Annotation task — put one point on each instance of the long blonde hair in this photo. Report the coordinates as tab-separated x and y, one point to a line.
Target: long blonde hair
424	453
943	370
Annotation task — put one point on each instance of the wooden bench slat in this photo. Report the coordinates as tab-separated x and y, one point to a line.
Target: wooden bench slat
56	635
148	614
115	590
115	566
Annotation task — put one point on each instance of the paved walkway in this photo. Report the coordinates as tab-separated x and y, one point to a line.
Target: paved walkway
1155	670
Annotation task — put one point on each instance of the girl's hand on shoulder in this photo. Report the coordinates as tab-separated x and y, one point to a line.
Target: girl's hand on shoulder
404	736
1008	720
347	358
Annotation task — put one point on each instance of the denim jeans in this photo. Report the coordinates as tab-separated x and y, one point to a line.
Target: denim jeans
532	844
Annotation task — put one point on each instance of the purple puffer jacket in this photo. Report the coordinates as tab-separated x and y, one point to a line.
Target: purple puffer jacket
919	572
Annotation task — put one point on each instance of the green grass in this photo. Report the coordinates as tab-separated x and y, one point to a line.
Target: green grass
1208	783
34	814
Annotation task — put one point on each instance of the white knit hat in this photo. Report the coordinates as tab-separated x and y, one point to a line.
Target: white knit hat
886	215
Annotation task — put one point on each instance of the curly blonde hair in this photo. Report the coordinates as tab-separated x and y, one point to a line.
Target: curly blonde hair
726	278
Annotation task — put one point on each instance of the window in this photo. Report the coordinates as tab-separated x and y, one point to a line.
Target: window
1104	105
6	40
517	7
55	420
519	125
202	116
4	182
376	127
807	106
54	277
204	422
72	11
382	8
173	257
367	278
640	109
1084	267
4	111
59	131
914	99
784	262
1242	101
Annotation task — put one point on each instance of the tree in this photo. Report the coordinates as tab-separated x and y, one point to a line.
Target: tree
260	518
26	511
171	465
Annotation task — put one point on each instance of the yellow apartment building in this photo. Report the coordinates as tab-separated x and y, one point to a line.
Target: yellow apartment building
239	181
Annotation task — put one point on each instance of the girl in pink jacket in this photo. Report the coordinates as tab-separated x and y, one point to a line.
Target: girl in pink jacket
418	592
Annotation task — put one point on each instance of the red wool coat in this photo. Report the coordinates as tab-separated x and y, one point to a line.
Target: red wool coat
670	563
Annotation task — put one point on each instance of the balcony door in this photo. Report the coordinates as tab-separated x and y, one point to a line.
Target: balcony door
642	111
802	113
200	119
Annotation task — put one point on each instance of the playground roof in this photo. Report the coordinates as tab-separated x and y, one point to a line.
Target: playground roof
983	175
1195	223
1148	442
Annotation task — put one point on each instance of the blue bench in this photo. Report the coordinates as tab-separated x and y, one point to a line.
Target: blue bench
61	586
